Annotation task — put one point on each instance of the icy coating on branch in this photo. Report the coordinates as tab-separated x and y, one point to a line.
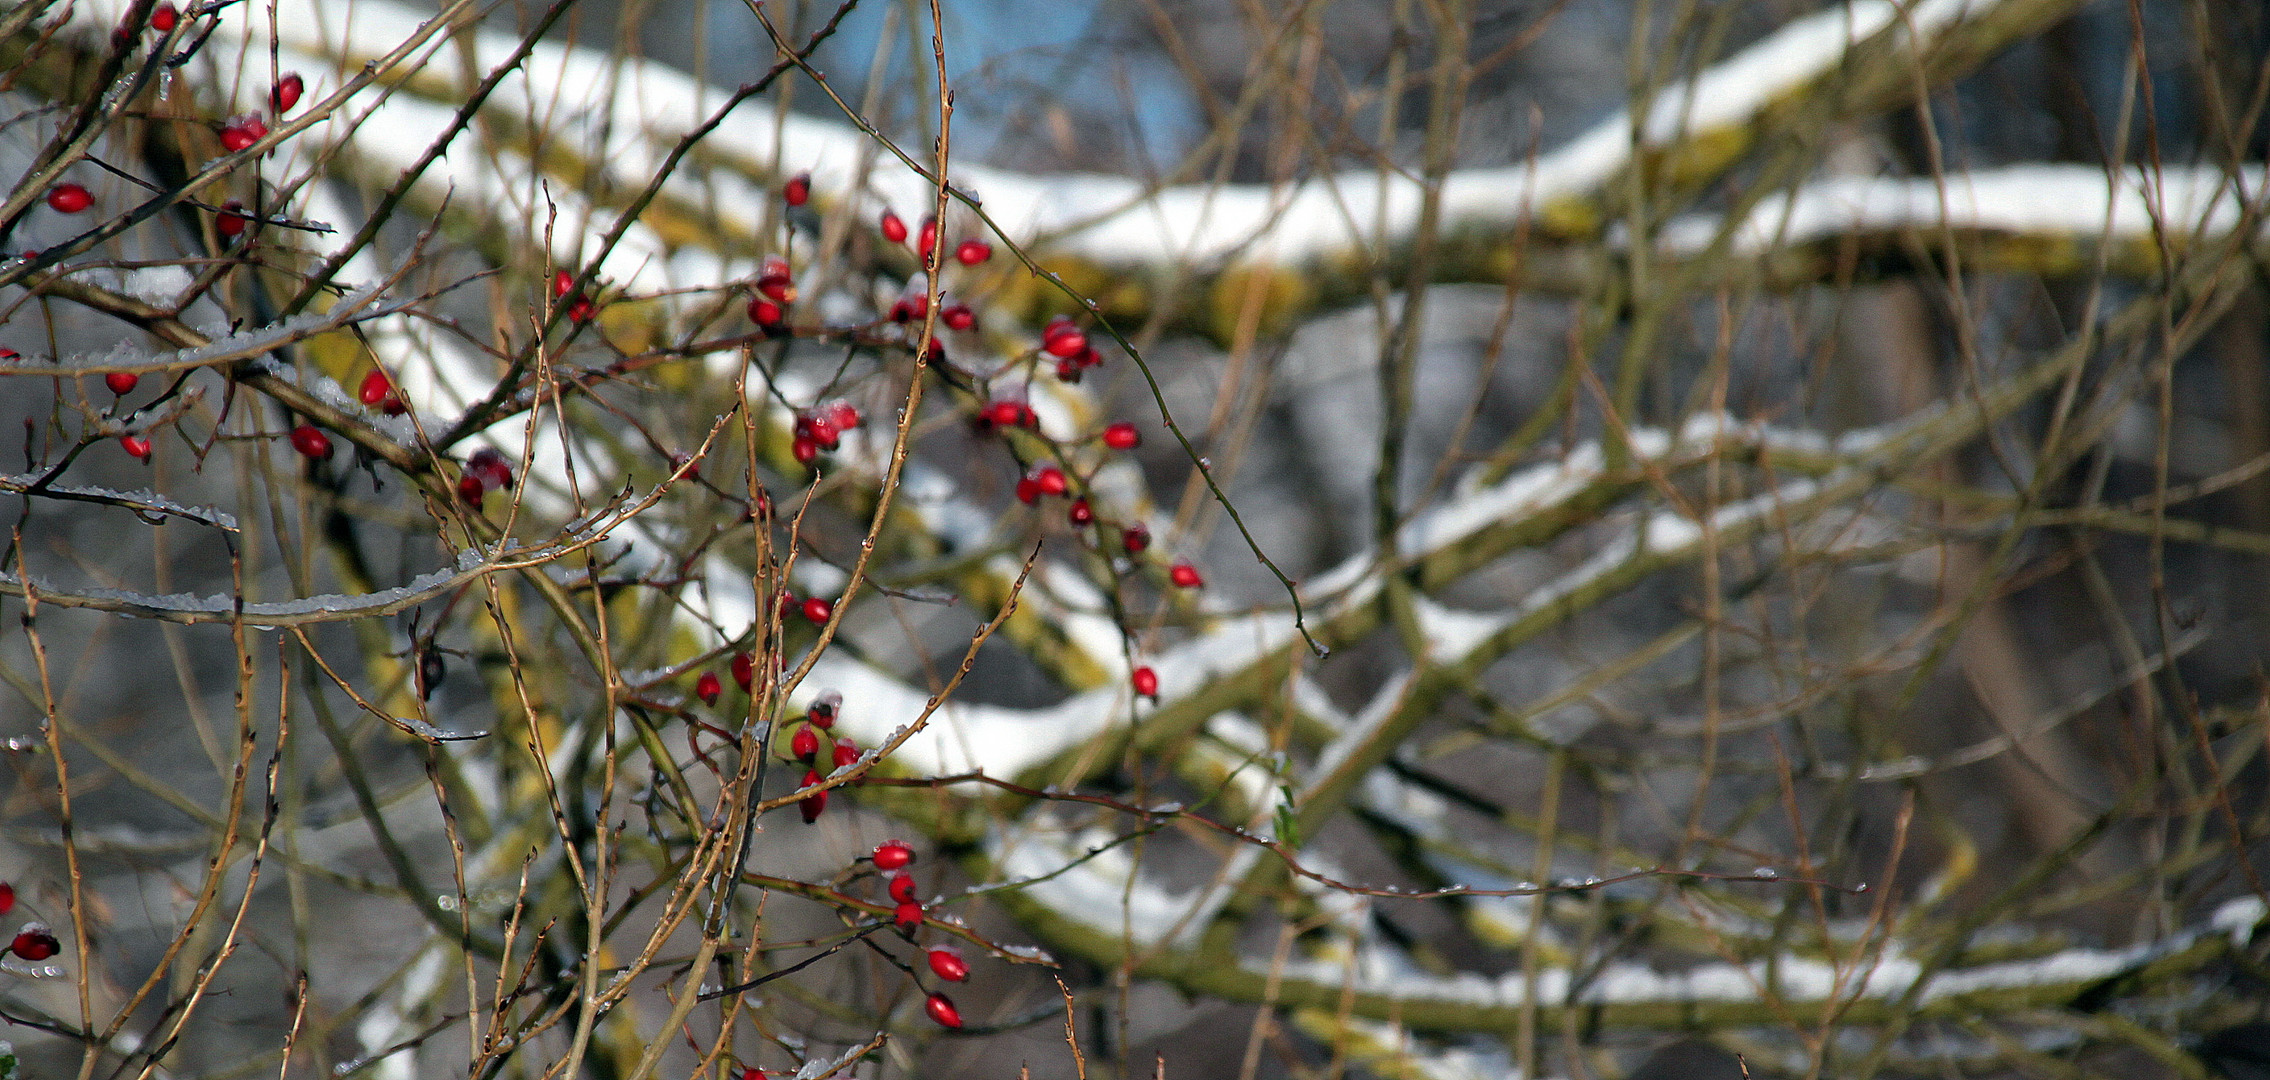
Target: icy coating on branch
189	608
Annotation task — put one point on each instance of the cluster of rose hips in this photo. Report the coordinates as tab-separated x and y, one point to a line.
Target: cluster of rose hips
485	471
579	307
238	133
33	942
804	746
892	857
822	428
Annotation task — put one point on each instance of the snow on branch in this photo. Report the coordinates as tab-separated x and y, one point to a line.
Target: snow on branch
149	504
621	115
2066	204
470	565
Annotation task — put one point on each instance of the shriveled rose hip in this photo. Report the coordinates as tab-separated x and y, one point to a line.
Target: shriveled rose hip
822	712
1135	538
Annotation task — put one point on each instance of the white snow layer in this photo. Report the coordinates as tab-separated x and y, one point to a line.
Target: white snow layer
623	115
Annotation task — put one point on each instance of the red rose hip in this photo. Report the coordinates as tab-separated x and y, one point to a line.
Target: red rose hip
972	252
708	687
1146	682
1185	576
942	1011
901	887
122	383
1122	436
889	855
287	92
69	198
948	964
311	442
813	805
35	942
817	610
894	230
907	916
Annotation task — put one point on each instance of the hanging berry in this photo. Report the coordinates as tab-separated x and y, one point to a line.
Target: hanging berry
907	917
817	610
926	240
122	383
901	887
1146	682
894	230
947	964
972	252
822	712
165	18
1079	513
889	855
804	745
1185	576
377	391
957	317
135	446
744	670
1135	538
813	805
287	92
942	1011
708	687
311	442
69	198
798	190
232	220
845	754
1122	436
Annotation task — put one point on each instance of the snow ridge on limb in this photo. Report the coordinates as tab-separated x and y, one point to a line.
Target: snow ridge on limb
625	112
